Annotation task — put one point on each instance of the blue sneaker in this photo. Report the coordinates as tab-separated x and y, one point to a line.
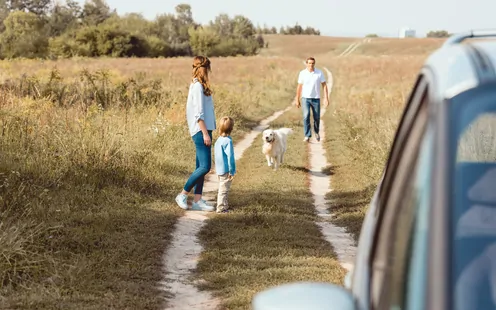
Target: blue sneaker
182	201
202	205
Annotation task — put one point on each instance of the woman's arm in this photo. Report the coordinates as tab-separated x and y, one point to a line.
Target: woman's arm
200	114
206	137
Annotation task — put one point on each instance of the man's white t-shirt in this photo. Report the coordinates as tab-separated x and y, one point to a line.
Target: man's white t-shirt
311	83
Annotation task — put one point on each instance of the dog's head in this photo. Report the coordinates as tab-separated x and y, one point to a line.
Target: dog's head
268	135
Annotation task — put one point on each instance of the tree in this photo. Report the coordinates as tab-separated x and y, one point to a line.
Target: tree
95	12
223	25
184	21
243	27
203	40
23	36
133	23
438	34
63	18
37	7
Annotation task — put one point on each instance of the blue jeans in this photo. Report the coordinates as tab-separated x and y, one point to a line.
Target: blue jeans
203	164
314	105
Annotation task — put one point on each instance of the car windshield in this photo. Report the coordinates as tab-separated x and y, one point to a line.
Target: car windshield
473	198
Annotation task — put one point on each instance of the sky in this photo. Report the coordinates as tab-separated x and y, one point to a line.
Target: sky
336	17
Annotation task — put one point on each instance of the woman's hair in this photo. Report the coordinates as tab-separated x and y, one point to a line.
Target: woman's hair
226	125
201	66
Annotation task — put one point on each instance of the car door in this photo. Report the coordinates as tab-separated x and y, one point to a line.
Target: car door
396	201
369	235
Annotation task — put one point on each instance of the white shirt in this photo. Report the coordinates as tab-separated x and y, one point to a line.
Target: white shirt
199	107
311	83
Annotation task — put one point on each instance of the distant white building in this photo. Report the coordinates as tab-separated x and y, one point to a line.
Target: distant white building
406	32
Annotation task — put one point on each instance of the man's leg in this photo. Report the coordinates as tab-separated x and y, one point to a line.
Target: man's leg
305	103
316	117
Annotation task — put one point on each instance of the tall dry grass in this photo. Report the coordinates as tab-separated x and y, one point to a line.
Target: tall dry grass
398	47
367	101
369	96
302	46
92	153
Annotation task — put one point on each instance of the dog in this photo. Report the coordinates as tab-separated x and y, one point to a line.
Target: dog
275	145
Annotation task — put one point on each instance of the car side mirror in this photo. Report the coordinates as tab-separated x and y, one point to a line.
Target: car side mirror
304	296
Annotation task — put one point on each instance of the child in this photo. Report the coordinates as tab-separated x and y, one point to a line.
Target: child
225	164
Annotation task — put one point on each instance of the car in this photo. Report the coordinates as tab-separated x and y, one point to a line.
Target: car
428	239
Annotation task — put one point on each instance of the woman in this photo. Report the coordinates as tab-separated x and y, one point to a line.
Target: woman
201	122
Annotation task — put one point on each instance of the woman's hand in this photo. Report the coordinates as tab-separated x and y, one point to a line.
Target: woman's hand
206	139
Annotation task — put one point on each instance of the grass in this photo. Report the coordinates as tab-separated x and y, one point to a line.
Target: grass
270	237
367	100
87	189
301	47
398	47
93	151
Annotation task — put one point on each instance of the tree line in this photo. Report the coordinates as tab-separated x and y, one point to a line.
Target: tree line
52	29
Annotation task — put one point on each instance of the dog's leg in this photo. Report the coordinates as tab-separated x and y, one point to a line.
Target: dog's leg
277	161
269	160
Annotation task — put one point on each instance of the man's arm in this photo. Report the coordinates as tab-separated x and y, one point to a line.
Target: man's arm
299	89
326	91
298	94
326	94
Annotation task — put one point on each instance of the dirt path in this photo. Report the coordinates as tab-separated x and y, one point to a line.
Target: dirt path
341	241
182	255
353	46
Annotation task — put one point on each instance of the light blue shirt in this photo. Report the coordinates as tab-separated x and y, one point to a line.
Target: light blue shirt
199	107
224	156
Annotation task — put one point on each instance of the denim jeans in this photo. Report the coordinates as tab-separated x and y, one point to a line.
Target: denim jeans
203	164
314	105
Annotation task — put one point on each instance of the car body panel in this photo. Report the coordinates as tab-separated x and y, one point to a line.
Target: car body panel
450	70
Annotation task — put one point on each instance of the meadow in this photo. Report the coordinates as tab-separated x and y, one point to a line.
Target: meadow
371	86
93	151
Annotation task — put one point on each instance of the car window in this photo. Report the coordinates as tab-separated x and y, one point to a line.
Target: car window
409	265
417	267
394	236
473	199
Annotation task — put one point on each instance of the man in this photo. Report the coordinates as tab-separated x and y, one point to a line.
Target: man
308	90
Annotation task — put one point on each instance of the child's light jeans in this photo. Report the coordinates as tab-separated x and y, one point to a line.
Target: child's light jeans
224	187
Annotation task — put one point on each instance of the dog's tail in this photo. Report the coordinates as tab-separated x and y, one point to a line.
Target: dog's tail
287	131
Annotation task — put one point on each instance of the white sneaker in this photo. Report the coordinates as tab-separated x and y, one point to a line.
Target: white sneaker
182	201
202	205
306	139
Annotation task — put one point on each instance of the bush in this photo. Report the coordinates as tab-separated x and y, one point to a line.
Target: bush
23	36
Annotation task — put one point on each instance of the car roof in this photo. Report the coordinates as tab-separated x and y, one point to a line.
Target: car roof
457	66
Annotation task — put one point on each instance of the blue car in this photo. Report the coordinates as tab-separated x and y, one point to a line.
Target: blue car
428	240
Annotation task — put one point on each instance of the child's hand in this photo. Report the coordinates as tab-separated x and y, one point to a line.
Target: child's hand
231	177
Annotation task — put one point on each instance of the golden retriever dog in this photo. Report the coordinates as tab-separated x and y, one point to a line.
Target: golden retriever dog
275	145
